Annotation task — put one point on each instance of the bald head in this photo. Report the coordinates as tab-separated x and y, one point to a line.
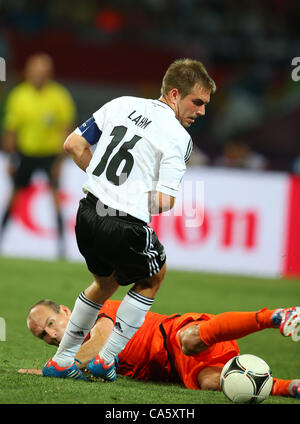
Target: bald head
48	321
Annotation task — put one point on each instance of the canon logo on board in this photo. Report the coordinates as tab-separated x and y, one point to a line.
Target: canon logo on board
230	227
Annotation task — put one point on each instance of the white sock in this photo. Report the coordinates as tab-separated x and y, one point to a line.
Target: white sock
130	317
82	319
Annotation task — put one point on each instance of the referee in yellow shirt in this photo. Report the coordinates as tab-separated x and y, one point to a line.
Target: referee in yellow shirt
39	114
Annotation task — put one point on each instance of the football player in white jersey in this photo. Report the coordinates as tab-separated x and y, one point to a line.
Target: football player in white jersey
141	149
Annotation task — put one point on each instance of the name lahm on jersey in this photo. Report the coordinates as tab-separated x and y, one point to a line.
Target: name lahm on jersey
139	120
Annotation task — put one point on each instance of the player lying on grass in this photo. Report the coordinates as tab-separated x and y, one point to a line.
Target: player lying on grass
191	348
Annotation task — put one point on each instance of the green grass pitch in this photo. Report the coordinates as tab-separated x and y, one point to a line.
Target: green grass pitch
24	282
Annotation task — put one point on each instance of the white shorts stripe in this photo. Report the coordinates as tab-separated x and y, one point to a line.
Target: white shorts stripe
150	252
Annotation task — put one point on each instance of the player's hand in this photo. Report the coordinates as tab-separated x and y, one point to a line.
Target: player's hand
29	371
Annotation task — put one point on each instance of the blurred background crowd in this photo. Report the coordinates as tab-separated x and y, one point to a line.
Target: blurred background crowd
103	49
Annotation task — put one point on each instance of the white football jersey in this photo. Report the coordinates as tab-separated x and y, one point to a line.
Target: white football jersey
140	147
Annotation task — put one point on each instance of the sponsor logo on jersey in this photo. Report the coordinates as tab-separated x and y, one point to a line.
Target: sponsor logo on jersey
118	327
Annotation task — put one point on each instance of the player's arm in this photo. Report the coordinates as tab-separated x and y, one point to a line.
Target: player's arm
13	115
78	144
79	149
99	334
160	202
61	156
9	141
171	171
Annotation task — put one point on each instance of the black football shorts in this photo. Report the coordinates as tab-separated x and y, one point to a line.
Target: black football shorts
117	243
27	165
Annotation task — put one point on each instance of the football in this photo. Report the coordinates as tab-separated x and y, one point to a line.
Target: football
246	379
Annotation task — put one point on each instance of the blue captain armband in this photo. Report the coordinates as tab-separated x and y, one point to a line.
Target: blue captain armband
90	131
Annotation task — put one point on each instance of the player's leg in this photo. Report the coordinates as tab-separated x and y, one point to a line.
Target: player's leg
209	378
52	167
195	338
59	221
20	169
144	255
7	213
286	388
130	317
83	317
149	261
89	302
